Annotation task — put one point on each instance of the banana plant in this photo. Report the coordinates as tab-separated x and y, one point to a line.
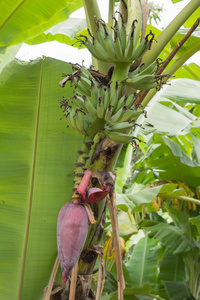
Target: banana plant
103	107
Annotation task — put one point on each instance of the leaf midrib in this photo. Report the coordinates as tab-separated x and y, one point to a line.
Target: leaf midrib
31	187
12	13
143	262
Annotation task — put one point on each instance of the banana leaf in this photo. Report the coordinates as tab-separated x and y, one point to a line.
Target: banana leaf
37	158
23	20
168	153
171	237
142	265
172	268
178	290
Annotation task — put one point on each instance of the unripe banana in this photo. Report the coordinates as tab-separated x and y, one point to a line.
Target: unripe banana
151	69
79	120
141	82
72	118
117	116
106	101
129	101
130	114
130	42
94	94
119	137
96	48
109	43
100	108
122	32
86	73
114	97
72	229
118	47
121	102
108	113
119	127
80	103
89	106
68	119
85	90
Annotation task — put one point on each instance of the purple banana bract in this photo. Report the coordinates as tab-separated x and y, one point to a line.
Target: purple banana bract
72	229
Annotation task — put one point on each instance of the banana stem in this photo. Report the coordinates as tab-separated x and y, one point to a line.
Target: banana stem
169	32
91	11
110	14
186	198
120	73
84	157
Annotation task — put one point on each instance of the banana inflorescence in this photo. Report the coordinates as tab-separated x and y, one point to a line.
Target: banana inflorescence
99	105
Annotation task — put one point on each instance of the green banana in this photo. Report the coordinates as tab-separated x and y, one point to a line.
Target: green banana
114	97
67	116
86	82
135	72
121	102
119	137
130	114
117	116
129	101
109	44
94	94
100	108
122	32
141	81
80	103
72	118
97	48
130	42
89	106
140	50
100	34
118	47
106	97
79	120
86	73
119	127
151	69
81	87
108	113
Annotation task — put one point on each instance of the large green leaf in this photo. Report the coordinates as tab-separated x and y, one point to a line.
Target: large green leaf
191	71
134	199
163	119
178	290
8	56
172	268
21	20
172	237
163	152
37	160
183	90
142	265
124	171
63	32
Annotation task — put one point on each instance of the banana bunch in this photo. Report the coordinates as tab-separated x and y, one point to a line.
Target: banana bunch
116	44
144	78
93	100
